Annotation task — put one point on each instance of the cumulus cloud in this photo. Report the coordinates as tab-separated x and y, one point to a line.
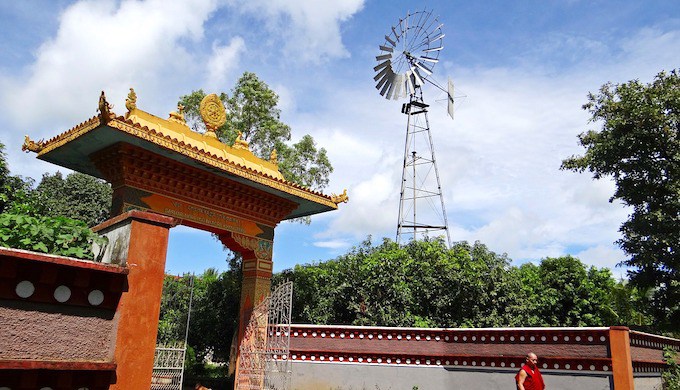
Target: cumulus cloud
224	59
106	45
308	29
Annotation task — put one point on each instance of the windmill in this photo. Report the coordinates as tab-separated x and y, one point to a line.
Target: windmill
406	61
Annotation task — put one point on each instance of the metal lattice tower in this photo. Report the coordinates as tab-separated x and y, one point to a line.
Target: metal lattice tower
421	203
407	58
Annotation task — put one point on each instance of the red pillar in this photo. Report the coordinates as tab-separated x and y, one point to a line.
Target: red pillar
622	364
140	241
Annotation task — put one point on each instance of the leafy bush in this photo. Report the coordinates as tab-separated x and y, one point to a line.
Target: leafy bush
671	377
55	235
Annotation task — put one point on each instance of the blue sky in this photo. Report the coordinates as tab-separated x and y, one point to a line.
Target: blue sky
524	67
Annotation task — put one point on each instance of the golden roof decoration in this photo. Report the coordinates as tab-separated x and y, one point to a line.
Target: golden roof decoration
213	113
178	116
342	198
131	101
32	146
274	157
240	143
105	113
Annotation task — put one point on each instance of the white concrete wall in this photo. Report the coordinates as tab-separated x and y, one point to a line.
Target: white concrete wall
648	382
349	376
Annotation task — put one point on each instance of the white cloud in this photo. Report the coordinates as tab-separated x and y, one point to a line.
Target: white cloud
309	29
106	46
224	60
608	256
333	244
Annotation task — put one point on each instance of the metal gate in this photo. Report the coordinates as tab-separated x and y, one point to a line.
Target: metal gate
264	350
168	366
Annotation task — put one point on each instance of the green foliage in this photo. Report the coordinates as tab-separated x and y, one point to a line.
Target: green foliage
424	284
638	146
566	293
27	223
15	191
214	312
671	376
79	196
252	110
55	235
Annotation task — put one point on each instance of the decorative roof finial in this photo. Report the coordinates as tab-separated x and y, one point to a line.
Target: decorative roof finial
105	113
32	146
213	113
273	157
240	143
342	198
131	101
179	115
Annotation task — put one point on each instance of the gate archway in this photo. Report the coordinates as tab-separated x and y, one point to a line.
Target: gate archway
160	166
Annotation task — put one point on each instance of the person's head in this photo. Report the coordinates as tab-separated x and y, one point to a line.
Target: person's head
532	359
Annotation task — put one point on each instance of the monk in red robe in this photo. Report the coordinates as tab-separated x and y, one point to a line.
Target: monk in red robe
529	377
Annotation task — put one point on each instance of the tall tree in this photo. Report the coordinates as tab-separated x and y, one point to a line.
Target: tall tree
252	110
15	191
78	196
638	146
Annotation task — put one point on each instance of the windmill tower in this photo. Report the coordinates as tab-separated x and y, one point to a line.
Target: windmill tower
406	61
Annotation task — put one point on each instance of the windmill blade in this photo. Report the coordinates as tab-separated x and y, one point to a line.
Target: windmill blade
399	89
395	33
382	81
386	48
450	100
391	89
388	39
388	82
381	74
428	59
409	83
384	57
440	36
424	68
382	65
416	77
430	50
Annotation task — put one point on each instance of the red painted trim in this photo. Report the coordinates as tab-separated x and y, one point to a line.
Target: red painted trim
56	365
61	260
144	216
593	336
331	343
469	361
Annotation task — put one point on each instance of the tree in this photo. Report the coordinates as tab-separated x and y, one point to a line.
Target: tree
420	284
562	291
79	196
638	146
252	110
15	191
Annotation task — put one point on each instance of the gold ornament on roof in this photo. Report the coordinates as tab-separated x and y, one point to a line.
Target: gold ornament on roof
179	115
213	113
273	157
342	198
32	146
131	101
240	143
105	113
